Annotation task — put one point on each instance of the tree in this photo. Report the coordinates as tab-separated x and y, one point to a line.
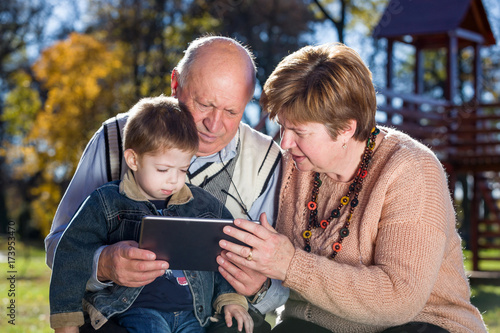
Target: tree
126	53
17	23
81	78
350	14
155	31
272	29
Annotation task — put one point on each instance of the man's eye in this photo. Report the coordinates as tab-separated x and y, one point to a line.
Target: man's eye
203	106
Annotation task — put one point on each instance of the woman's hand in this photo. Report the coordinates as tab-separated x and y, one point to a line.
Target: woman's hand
241	315
268	252
244	280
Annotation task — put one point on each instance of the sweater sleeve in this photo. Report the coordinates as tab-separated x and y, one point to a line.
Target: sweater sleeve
408	248
73	258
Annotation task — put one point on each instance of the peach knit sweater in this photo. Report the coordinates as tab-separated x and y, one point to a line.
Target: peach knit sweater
401	262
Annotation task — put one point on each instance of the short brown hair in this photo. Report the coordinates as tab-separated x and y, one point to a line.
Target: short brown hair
328	84
159	123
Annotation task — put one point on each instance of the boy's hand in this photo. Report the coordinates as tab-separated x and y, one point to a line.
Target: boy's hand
241	315
67	329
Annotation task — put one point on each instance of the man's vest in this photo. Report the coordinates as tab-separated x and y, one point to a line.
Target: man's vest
237	183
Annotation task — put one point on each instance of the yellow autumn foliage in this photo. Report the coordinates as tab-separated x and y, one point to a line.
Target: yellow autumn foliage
77	73
81	77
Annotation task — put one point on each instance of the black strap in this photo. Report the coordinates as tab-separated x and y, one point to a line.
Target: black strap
108	163
120	148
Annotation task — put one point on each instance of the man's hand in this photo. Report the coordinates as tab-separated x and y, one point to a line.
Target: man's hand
127	265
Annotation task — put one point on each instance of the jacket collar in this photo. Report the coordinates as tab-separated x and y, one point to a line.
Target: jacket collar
129	188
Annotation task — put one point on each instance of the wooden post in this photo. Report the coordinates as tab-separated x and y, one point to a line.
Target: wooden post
451	67
419	71
388	77
477	71
474	223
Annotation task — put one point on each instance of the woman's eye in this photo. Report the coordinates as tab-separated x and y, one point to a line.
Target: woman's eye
162	170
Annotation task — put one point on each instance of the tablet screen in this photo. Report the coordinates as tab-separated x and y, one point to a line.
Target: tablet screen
185	243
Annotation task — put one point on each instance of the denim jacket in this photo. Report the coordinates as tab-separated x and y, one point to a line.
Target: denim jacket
113	213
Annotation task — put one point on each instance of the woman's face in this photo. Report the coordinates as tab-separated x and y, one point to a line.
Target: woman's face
311	146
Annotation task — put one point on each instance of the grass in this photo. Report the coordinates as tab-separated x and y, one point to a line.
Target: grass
32	291
486	297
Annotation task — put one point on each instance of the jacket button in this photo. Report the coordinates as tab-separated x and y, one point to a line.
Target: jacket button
200	308
97	322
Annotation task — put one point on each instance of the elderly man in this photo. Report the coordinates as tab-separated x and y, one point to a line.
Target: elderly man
215	80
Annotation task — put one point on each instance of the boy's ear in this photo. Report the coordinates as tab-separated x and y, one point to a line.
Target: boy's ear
131	159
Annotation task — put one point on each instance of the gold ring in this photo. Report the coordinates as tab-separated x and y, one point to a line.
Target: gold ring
250	257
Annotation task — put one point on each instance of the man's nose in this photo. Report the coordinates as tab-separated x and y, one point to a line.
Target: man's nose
213	120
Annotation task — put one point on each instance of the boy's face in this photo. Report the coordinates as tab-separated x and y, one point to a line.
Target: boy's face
162	174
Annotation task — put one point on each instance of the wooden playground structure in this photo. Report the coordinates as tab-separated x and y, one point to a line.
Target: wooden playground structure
465	136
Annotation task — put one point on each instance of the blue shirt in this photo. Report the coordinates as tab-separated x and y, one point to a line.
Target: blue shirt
169	292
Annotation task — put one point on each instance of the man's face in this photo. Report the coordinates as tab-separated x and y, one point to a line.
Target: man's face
216	96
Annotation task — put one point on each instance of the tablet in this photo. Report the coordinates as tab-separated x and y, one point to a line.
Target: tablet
185	243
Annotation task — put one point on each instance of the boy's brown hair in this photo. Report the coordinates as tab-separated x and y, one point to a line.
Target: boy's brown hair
159	123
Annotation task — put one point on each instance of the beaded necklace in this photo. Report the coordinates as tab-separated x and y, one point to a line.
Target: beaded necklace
354	190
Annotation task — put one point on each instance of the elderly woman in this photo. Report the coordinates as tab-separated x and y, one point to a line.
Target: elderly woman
366	237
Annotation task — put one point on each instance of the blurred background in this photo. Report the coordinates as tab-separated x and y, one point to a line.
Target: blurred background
68	65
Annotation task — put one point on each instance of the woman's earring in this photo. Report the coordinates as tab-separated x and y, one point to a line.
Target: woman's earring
344	145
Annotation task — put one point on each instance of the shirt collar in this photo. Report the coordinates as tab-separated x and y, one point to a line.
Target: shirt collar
226	154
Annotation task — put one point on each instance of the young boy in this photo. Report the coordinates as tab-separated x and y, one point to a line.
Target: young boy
160	138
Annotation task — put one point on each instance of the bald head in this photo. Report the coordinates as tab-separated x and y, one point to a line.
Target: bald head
219	54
